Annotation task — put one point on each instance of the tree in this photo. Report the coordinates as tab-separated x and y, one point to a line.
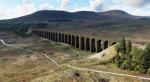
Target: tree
136	57
117	60
148	71
122	46
145	59
129	47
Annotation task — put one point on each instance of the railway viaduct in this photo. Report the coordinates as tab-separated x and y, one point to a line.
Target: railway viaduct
77	41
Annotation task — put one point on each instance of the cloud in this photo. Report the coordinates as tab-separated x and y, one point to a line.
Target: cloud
64	4
96	5
81	9
135	7
136	3
46	6
26	1
27	7
4	14
139	11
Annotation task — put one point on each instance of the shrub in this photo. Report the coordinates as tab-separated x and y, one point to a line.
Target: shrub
148	71
145	59
125	65
131	58
142	70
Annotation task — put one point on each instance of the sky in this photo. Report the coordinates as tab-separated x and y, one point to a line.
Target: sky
16	8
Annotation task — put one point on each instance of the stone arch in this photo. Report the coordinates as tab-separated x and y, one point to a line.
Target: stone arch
77	41
43	33
37	32
40	33
113	43
93	47
60	37
51	37
49	34
34	32
73	40
106	44
46	34
56	38
82	43
66	38
69	39
63	38
99	46
87	44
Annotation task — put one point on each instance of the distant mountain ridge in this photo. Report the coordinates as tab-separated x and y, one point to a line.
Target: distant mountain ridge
63	16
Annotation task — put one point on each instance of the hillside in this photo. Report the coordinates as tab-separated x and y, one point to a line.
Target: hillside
63	16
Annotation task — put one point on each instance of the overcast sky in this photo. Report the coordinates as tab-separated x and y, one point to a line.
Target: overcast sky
16	8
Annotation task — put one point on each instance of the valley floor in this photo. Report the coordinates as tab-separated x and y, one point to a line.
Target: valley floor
19	65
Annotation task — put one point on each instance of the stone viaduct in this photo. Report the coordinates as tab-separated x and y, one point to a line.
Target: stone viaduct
77	41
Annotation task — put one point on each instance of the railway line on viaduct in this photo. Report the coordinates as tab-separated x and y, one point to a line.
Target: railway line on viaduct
78	41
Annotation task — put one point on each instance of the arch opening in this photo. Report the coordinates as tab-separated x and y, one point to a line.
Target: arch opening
77	41
41	34
114	43
93	49
55	36
106	43
73	40
60	37
48	33
51	37
63	38
66	38
82	43
87	44
99	46
69	39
